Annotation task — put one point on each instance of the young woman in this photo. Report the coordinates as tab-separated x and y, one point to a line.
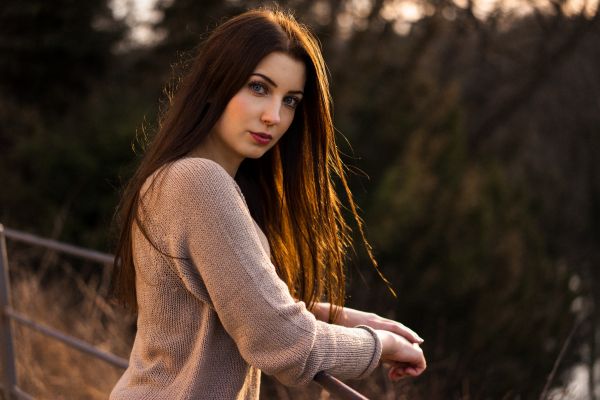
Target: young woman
232	232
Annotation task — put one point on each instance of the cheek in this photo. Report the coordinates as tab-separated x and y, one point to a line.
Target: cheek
241	106
233	118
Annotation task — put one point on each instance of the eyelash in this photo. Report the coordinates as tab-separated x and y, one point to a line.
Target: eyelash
252	86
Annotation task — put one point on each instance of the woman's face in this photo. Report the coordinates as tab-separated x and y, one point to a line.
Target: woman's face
259	114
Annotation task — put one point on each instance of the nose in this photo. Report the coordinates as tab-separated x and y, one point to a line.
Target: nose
271	113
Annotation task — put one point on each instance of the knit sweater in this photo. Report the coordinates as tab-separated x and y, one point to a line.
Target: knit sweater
213	313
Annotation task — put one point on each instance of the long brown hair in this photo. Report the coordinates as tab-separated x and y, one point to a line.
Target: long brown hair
290	190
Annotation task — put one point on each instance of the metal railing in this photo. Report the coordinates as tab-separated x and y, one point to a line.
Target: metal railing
9	381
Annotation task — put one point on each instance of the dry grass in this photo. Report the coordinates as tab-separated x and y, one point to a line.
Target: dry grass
48	369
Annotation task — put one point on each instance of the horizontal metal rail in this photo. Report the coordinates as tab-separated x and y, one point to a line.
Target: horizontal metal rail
67	339
337	387
92	255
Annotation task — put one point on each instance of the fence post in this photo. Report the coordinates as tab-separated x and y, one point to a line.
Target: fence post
9	376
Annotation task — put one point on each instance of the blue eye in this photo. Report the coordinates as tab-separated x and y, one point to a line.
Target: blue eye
257	87
292	101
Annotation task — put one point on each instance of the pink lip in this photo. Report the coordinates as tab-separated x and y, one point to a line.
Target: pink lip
261	137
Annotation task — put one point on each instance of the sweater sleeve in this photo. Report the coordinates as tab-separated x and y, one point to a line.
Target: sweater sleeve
272	331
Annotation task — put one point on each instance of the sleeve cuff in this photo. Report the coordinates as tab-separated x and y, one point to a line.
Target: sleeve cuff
376	353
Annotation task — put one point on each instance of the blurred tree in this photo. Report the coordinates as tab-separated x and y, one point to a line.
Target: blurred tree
472	268
53	55
505	251
53	52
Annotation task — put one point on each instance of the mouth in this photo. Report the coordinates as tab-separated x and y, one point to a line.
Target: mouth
261	137
262	134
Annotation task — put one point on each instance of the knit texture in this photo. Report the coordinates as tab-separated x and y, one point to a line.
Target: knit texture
213	313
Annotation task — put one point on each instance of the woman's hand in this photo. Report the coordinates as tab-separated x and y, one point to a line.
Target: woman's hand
401	350
350	317
405	358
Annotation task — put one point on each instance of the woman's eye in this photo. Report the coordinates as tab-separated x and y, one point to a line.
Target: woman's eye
292	101
257	87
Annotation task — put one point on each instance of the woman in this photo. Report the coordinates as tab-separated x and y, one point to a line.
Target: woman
232	232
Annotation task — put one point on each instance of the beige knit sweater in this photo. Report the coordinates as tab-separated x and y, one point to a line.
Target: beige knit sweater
213	312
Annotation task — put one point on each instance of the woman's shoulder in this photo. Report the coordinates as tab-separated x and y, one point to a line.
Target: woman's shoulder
197	168
191	173
193	176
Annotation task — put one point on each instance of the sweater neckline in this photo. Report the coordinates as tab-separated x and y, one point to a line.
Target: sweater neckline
237	187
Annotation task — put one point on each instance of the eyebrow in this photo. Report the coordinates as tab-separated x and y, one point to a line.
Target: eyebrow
274	84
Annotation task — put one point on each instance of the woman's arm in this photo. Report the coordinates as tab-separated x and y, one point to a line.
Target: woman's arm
350	317
202	218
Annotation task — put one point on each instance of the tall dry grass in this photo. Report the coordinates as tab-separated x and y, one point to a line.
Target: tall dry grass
63	300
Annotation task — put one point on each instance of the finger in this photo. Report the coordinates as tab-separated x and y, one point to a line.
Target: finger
415	371
400	375
397	372
405	332
395	375
402	369
398	329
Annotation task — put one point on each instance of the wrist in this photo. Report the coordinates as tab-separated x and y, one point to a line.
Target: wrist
387	341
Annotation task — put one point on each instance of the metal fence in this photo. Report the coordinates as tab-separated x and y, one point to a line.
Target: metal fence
9	381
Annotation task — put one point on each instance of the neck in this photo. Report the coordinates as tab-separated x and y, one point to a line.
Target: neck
207	150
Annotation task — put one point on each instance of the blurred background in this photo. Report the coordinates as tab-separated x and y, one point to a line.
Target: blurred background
473	131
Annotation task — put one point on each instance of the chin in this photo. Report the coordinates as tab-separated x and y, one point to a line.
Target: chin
258	153
256	156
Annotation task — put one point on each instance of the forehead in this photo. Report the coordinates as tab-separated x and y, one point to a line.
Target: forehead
288	73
